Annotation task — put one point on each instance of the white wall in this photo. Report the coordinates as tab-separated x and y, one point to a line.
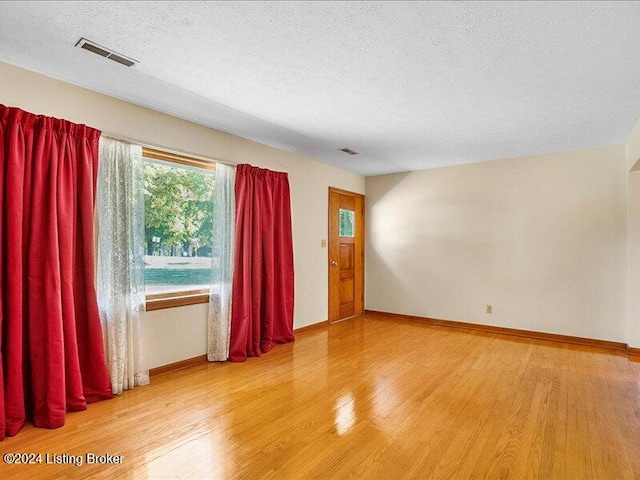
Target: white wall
177	334
542	239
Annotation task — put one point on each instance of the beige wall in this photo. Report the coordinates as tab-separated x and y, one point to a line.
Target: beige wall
632	149
542	239
177	334
633	245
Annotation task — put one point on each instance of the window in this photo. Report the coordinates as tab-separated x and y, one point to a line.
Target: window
178	229
347	223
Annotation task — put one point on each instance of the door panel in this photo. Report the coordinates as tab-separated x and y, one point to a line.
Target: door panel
346	254
347	261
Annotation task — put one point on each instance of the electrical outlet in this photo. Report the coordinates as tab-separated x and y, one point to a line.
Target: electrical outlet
489	308
323	243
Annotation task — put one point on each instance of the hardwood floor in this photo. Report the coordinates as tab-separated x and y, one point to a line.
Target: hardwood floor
368	398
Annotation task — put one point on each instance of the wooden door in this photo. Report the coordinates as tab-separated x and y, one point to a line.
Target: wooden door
346	254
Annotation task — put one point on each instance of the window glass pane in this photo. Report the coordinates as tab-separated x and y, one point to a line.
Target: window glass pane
347	223
178	227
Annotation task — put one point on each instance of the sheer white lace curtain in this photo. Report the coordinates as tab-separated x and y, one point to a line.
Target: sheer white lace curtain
219	321
121	293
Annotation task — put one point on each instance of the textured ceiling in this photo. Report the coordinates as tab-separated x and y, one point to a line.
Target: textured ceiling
408	85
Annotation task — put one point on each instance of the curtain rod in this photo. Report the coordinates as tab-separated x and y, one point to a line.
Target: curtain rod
166	149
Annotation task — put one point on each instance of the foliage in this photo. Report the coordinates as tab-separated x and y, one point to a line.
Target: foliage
178	210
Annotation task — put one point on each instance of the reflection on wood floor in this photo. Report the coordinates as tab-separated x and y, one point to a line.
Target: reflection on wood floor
368	398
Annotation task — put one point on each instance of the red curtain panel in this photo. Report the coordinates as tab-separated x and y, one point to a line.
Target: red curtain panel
262	300
50	336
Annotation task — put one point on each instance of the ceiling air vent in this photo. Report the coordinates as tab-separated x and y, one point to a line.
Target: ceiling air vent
349	151
105	52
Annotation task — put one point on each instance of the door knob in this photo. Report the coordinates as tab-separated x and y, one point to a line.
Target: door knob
334	263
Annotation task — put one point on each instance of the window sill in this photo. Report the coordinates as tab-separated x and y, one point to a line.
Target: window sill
176	299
